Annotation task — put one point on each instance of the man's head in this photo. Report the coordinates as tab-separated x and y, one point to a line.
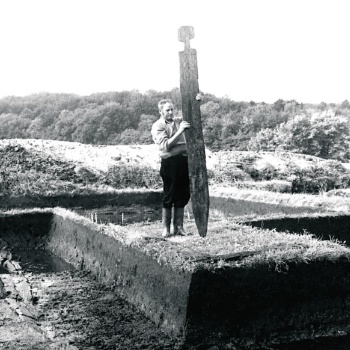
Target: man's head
166	109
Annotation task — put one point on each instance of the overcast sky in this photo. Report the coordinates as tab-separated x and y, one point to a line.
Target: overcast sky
259	50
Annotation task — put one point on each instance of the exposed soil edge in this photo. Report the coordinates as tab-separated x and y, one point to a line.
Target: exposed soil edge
230	207
239	207
77	200
257	304
160	291
263	306
322	226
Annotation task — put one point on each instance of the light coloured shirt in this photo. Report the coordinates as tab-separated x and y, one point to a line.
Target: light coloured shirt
162	131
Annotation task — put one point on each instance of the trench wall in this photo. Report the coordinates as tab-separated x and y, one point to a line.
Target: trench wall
232	207
263	305
25	230
159	291
86	201
209	305
324	227
259	304
228	206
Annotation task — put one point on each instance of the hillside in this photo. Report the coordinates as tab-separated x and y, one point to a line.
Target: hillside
50	167
101	158
94	157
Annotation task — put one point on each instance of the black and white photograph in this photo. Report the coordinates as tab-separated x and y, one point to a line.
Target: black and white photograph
174	175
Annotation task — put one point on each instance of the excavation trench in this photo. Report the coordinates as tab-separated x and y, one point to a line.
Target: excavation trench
83	288
47	302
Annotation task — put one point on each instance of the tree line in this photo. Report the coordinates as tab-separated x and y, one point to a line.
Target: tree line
126	118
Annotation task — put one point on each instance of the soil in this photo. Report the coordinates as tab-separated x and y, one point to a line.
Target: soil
70	310
47	304
122	215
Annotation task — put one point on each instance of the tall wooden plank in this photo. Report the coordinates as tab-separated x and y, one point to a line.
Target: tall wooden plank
194	135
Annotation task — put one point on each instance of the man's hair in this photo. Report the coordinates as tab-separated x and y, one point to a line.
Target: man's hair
161	103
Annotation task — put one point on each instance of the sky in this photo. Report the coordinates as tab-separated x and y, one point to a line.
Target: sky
248	50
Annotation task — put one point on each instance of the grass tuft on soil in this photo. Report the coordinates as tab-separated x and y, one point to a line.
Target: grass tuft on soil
225	237
48	168
322	202
254	246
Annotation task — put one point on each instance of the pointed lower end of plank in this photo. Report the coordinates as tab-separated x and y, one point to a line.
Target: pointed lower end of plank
202	231
202	226
201	217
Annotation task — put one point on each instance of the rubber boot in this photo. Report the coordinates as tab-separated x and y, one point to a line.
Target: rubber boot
166	221
178	222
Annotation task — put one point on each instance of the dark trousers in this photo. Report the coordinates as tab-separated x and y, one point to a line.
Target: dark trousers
176	183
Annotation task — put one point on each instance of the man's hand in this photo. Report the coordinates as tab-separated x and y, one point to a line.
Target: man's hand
184	125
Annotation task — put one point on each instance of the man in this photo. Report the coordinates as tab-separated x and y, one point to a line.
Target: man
169	135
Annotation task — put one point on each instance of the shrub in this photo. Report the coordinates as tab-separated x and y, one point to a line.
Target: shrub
267	172
227	175
280	186
343	181
133	176
303	184
85	176
339	193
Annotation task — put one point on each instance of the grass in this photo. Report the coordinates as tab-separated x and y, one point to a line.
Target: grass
224	237
322	201
93	157
49	168
35	167
27	172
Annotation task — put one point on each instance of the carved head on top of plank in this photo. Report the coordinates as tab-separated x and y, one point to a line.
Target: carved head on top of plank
186	33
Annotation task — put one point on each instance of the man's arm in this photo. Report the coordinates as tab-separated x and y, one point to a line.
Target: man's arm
173	140
161	138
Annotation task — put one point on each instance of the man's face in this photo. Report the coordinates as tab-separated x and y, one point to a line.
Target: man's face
167	112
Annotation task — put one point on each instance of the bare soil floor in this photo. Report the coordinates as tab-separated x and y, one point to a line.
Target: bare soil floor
69	310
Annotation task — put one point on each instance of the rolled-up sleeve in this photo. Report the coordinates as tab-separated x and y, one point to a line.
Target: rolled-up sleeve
160	136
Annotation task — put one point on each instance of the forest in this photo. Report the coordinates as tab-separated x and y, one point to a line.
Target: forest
126	117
